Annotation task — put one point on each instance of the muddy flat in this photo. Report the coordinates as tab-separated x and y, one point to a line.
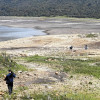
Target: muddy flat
62	33
54	25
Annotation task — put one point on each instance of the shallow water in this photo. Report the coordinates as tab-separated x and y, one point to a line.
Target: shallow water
10	33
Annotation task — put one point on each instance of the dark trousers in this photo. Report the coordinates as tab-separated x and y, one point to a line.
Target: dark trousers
10	88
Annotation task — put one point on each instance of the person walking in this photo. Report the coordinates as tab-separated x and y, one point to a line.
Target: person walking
71	47
86	47
9	81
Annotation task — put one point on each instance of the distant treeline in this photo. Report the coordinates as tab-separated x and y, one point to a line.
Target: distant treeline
36	8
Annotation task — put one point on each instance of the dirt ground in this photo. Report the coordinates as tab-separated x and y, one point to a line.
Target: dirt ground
44	45
55	25
44	78
63	33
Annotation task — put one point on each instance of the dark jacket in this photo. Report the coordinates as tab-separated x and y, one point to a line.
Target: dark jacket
9	78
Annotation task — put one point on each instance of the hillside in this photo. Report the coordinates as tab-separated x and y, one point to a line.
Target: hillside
71	8
45	67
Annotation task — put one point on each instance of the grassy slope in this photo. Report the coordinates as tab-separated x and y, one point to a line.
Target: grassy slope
7	63
89	67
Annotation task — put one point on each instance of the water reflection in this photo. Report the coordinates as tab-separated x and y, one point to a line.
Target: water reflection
8	33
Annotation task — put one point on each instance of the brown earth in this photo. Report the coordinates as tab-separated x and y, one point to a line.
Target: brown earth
54	25
64	32
52	45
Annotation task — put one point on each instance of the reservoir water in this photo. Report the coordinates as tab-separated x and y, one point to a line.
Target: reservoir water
10	33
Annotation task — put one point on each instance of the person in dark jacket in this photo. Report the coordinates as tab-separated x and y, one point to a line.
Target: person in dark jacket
9	80
86	47
71	47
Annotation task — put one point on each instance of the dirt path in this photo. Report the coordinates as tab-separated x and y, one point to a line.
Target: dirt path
50	79
43	77
41	73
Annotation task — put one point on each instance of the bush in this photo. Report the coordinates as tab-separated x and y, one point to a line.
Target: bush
91	35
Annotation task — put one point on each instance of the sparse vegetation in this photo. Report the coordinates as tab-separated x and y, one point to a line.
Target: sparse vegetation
59	96
89	66
6	62
91	35
50	95
70	65
75	75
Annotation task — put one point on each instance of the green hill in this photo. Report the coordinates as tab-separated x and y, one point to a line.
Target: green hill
71	8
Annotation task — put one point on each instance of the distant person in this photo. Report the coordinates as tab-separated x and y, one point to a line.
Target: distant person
71	47
86	47
9	81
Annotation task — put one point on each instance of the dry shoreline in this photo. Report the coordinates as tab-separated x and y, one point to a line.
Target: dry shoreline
61	33
53	26
57	42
